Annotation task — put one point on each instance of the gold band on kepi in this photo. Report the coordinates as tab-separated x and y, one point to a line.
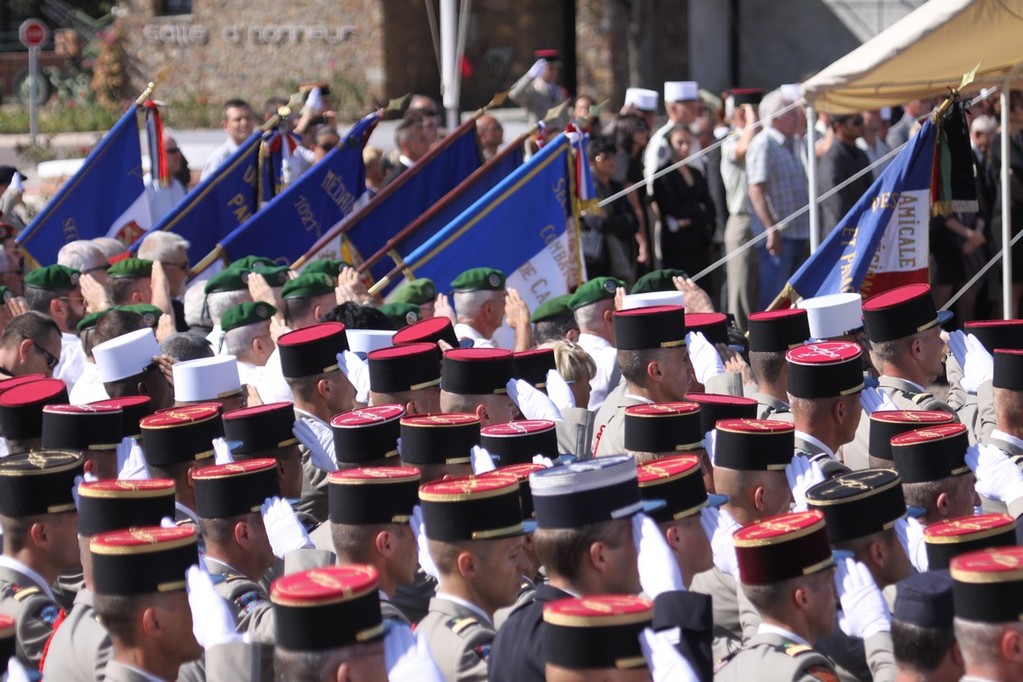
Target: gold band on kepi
105	506
886	424
650	328
226	490
143	560
663	427
782	547
679	482
39	482
367	434
372	495
858	503
946	540
326	608
522	473
826	369
472	508
596	632
931	453
988	585
901	312
179	435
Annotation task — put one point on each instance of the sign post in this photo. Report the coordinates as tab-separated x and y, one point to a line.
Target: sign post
32	34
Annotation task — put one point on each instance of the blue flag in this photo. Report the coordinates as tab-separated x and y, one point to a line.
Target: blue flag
456	201
105	198
407	197
882	243
523	227
218	204
323	196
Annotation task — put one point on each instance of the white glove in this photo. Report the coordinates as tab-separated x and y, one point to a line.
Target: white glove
911	535
314	100
874	399
419	530
168	522
666	664
545	462
997	477
864	612
710	442
319	442
721	543
222	452
706	361
357	371
482	462
212	620
532	403
16	672
124	449
74	488
134	467
957	346
802	474
979	367
407	656
658	569
559	391
537	69
282	527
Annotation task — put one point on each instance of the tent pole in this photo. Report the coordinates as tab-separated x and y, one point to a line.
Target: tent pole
811	176
1008	305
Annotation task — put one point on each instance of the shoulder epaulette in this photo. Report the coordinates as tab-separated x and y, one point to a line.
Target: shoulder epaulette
458	625
25	592
796	649
920	398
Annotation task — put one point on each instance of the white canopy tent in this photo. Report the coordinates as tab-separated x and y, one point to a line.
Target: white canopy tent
923	55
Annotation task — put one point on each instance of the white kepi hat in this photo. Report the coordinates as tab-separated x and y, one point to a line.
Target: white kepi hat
641	98
652	298
126	355
206	379
833	315
681	91
364	341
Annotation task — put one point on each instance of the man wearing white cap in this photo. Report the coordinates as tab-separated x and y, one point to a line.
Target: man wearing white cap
131	364
642	102
209	380
682	103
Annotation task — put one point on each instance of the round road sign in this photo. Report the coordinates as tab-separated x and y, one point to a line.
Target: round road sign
32	33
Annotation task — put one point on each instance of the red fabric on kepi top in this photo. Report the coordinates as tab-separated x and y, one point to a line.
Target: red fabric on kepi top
995	334
260	429
517	442
663	427
714	326
532	366
134	407
430	330
21	407
826	369
82	427
662	326
754	444
439	438
886	424
776	331
367	434
312	350
947	539
931	453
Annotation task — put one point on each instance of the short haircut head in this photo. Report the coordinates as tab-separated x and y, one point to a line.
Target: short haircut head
767	367
184	346
920	648
238	341
196	314
236	103
39	299
554	328
31	325
161	245
120	613
220	531
120	289
317	666
592	315
217	302
470	303
116	323
633	363
355	316
353	543
981	642
890	352
770	105
563	550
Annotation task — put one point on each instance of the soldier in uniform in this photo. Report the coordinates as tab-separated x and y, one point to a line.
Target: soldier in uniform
309	362
787	570
479	297
328	625
537	90
421	292
21	411
247	337
37	512
475	380
935	478
80	646
125	364
922	634
265	431
652	357
518	442
476	537
987	599
660	430
175	444
593	305
575	429
1007	435
584	541
771	335
824	383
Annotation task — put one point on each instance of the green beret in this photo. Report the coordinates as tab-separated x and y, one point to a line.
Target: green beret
53	278
150	313
307	285
250	263
275	275
597	289
400	313
133	268
479	279
658	280
552	307
417	292
326	266
90	320
227	280
246	313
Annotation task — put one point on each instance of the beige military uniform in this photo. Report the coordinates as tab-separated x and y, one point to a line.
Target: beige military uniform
770	657
251	607
234	661
575	432
459	639
723	591
1014	452
609	439
769	407
33	610
314	483
81	647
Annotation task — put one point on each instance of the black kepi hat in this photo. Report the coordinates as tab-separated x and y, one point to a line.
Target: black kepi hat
312	350
714	326
430	330
782	547
439	438
82	427
663	427
134	409
994	334
887	424
776	331
260	429
476	371
39	482
517	442
947	539
679	482
408	367
367	434
596	632
181	434
988	585
472	508
754	444
109	505
372	495
1008	369
21	407
714	407
532	366
522	473
144	560
858	503
225	490
826	369
931	453
901	312
661	326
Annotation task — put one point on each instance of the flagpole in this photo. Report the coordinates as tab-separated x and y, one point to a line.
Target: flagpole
395	185
440	205
209	259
